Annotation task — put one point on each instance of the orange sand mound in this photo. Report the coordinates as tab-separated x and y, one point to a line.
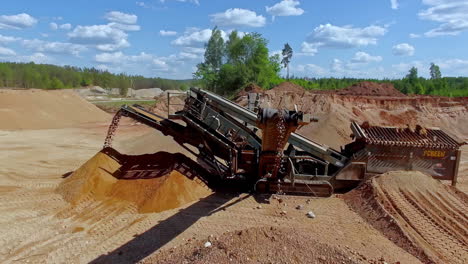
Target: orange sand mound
418	213
40	109
94	179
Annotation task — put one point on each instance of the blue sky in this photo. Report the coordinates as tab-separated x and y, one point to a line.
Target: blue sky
165	38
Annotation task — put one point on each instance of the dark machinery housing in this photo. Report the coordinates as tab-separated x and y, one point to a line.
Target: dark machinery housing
259	150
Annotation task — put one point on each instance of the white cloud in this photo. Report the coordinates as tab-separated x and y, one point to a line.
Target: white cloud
404	67
309	49
36	58
194	50
189	56
362	57
19	21
7	52
403	49
103	37
121	18
53	26
124	27
53	47
311	70
285	8
452	14
66	26
345	37
394	4
238	17
142	4
184	1
412	35
7	39
167	33
120	62
193	38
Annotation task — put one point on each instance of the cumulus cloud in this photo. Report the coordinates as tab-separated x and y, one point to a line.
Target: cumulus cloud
122	18
403	49
309	49
194	50
362	57
394	4
7	39
103	37
412	35
124	27
55	26
311	70
285	8
330	36
19	21
53	47
7	52
121	62
66	26
193	38
452	14
167	33
238	17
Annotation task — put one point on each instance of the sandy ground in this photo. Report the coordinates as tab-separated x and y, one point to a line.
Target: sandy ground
40	225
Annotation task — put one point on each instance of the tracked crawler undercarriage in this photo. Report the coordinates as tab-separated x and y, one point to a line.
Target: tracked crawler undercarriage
258	149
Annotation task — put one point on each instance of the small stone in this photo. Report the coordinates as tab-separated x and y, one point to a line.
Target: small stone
310	214
299	207
283	213
322	258
208	244
259	207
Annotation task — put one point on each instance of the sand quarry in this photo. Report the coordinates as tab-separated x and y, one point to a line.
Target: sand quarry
59	202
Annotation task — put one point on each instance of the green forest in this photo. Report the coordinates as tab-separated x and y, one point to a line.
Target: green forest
44	76
228	66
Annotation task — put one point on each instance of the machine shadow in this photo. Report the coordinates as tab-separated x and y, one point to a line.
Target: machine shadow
162	233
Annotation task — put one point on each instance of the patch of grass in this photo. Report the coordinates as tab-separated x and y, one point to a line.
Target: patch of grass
123	102
114	106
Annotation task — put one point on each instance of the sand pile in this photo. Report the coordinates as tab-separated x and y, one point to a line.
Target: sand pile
289	87
418	213
250	88
371	89
97	179
161	107
40	109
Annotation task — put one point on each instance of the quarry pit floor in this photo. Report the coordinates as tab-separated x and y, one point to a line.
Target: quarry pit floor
39	226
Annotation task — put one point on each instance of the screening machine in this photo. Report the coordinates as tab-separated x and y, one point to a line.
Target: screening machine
258	149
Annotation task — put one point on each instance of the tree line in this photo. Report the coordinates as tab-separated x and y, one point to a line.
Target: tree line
44	76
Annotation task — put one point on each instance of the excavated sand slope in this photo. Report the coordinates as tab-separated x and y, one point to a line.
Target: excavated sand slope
418	213
39	109
94	179
335	112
